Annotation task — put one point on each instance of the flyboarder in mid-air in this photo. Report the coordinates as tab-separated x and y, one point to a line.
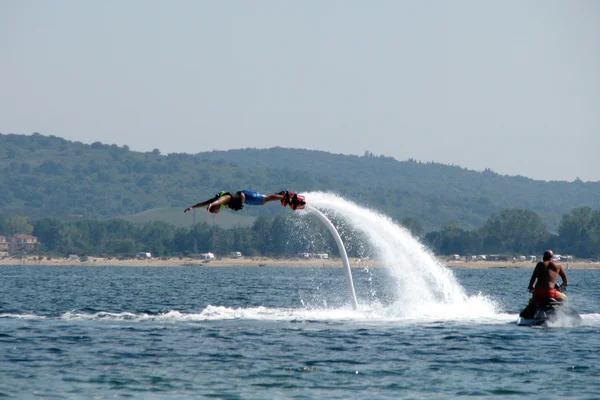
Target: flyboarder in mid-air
236	200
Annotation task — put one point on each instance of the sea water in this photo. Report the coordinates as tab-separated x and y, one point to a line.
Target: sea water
420	330
279	333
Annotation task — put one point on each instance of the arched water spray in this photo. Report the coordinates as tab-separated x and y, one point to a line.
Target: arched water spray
342	250
424	286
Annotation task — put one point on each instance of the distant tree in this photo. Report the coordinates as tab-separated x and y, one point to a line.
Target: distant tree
413	226
51	167
264	235
146	181
6	197
3	226
514	230
579	232
14	166
157	237
48	232
453	240
18	225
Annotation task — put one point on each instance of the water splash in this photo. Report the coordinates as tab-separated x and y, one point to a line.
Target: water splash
424	287
368	315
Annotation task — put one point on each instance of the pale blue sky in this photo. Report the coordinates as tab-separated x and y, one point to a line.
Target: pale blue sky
509	85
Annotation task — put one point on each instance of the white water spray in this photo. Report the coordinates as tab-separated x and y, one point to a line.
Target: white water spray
342	250
425	287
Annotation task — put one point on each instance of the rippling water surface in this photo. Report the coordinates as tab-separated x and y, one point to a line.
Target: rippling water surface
278	333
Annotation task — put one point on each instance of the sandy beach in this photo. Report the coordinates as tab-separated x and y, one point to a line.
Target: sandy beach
578	264
265	261
187	261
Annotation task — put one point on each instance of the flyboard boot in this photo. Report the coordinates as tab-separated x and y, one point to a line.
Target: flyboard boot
292	199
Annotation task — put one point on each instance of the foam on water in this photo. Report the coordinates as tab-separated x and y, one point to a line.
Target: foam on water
368	314
590	319
425	288
372	314
21	316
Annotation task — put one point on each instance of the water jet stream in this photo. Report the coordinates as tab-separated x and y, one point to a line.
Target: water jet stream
342	250
423	286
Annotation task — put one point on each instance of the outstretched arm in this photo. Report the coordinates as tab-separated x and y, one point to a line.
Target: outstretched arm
202	204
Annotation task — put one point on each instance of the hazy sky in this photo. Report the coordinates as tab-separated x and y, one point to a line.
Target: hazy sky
509	85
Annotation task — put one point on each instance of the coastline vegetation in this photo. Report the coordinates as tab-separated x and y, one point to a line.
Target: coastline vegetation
511	232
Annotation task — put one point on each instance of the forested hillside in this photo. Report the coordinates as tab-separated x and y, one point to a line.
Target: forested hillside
46	176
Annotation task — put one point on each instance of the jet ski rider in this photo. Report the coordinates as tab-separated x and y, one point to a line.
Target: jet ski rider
545	273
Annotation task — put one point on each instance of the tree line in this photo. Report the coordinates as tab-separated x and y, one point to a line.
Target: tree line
510	232
523	232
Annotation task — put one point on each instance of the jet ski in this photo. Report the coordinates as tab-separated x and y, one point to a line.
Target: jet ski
550	312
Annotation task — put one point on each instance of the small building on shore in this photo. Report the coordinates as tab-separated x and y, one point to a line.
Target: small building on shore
18	242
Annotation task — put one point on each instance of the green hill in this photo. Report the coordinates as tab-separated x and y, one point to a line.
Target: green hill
47	176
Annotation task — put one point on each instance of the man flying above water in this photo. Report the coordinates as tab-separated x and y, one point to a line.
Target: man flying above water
236	200
546	272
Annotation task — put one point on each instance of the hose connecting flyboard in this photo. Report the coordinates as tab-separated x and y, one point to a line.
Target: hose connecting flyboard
342	250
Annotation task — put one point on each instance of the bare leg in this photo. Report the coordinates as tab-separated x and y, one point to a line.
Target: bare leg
272	197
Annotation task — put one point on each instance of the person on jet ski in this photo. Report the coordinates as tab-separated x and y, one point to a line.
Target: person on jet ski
544	277
236	200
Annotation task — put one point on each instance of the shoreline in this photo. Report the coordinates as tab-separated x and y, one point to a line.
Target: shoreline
265	261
